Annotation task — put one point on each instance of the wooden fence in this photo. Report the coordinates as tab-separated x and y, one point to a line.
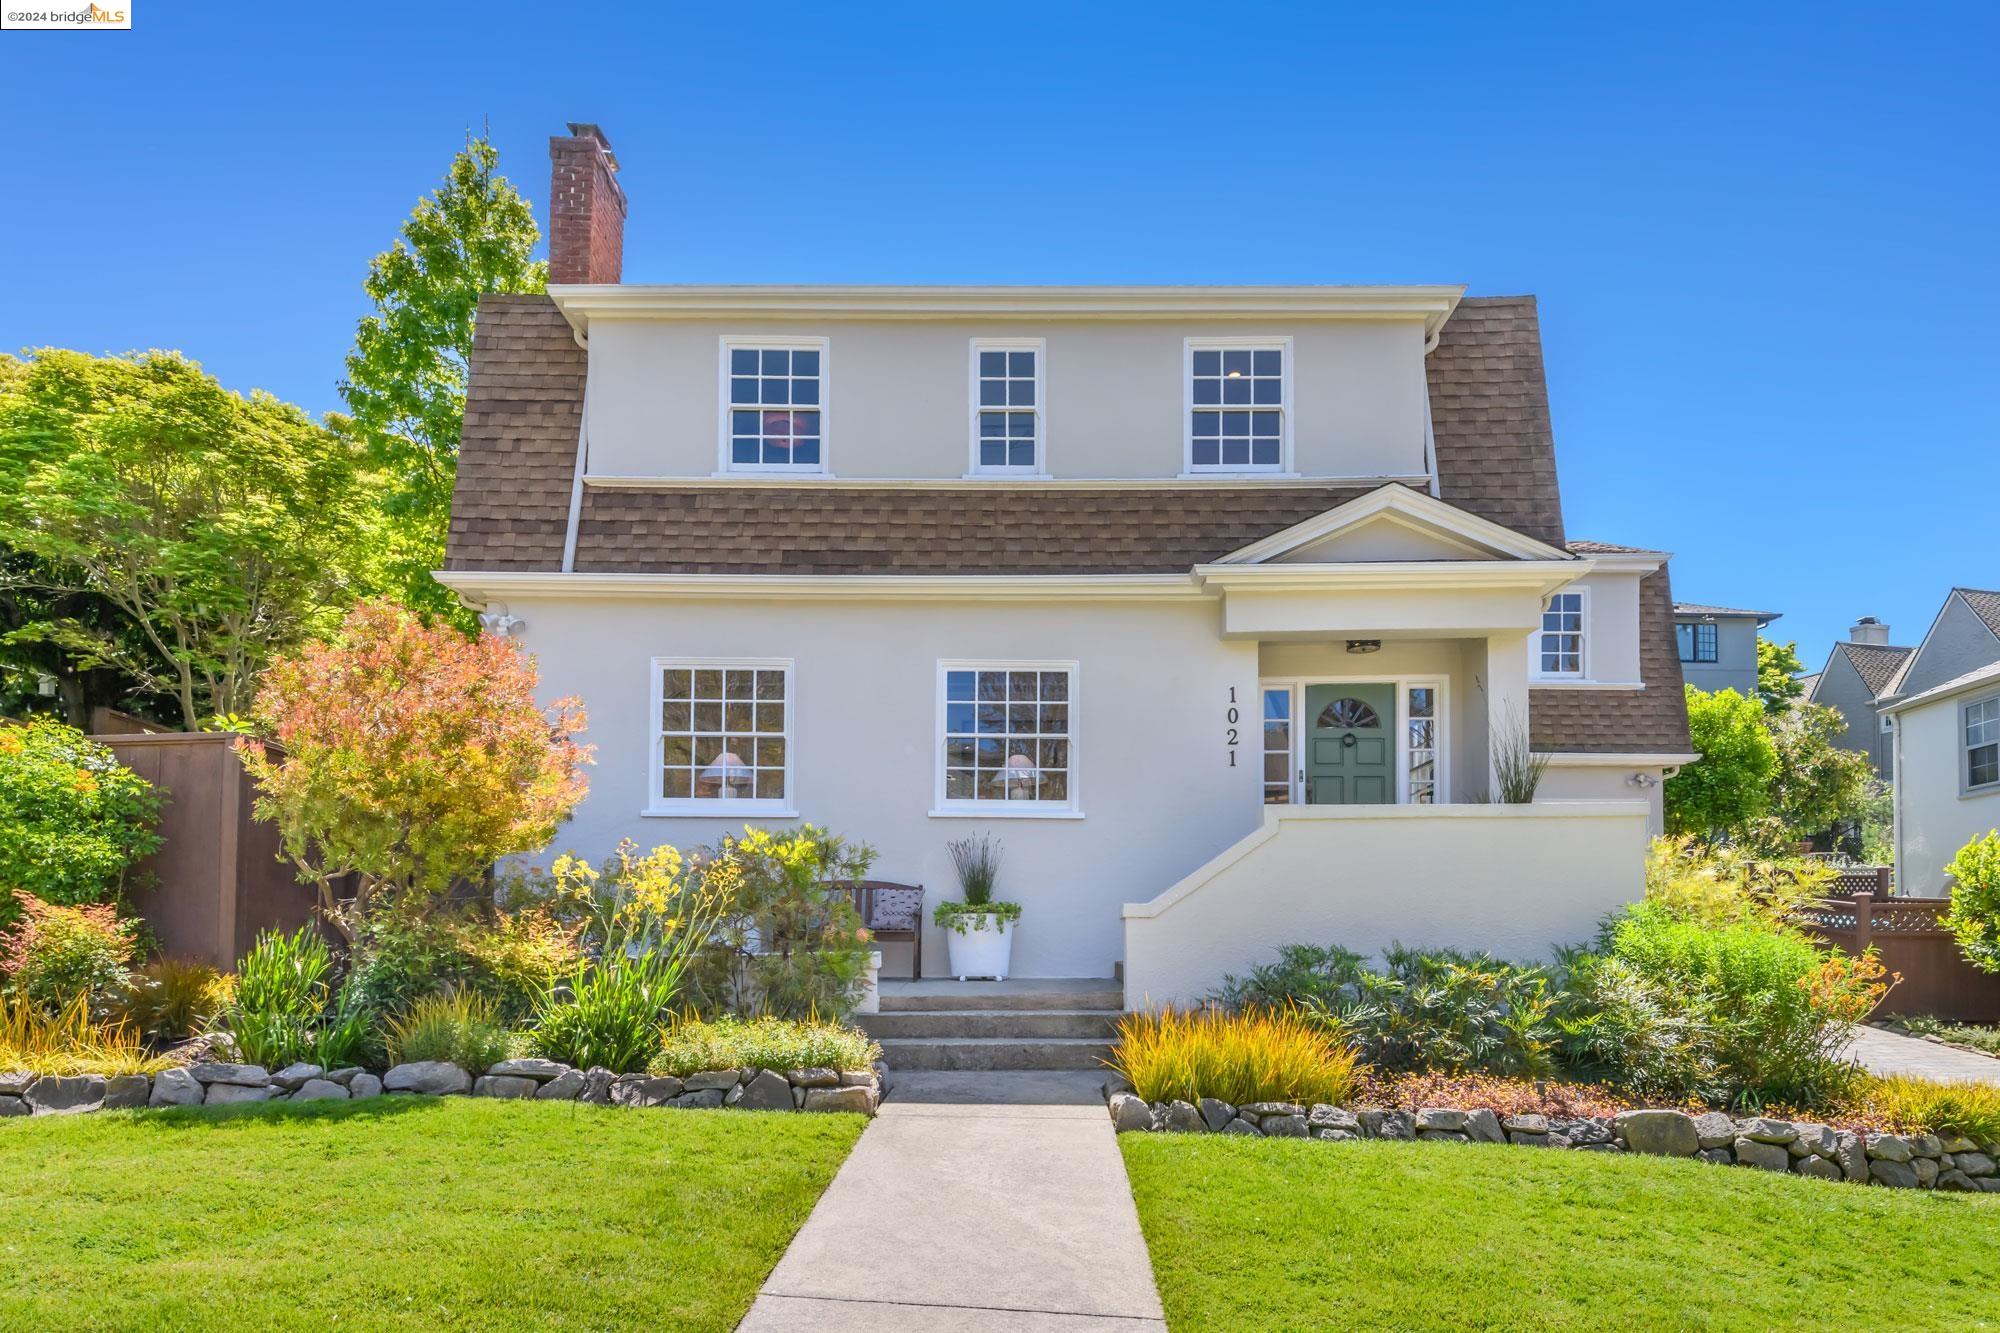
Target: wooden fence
1907	934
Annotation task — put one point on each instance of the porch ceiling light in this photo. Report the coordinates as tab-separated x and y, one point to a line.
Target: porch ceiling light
728	769
1020	772
1364	645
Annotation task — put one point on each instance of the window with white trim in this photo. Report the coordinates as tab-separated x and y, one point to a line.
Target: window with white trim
1420	744
1008	732
1278	745
722	736
1982	743
1007	405
1559	647
774	406
1237	401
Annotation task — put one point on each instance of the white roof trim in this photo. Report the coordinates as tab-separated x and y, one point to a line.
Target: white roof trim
1636	759
1544	576
1410	507
1971	680
495	585
996	481
580	302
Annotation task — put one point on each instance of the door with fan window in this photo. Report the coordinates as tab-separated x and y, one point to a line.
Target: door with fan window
1350	744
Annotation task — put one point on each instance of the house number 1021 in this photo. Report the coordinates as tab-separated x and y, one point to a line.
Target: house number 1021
1235	716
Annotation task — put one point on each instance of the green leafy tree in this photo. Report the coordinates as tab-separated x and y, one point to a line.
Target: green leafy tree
1974	915
405	386
219	529
73	820
1818	784
1728	788
1778	671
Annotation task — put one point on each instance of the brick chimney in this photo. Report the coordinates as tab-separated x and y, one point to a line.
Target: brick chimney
1869	630
586	208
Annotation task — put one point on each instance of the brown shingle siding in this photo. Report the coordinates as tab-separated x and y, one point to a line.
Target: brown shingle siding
1490	415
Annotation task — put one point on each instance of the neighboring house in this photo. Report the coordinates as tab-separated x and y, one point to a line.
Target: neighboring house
1718	646
1210	602
1944	715
1858	676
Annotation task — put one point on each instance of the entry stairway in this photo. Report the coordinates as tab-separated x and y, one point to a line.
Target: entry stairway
1020	1023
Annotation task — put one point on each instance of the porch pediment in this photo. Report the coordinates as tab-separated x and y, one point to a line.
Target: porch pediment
1393	524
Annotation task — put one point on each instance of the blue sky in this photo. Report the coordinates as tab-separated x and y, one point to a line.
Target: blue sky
1764	244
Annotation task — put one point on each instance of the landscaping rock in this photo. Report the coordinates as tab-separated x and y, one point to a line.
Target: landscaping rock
799	1097
806	1078
1765	1130
1659	1133
1756	1152
1988	1184
1129	1113
175	1087
1719	1156
124	1092
1598	1147
857	1078
1555	1139
597	1082
1323	1116
1335	1135
1822	1167
1432	1118
861	1100
534	1067
1216	1114
1956	1143
1526	1124
13	1106
1898	1175
435	1078
65	1095
1527	1139
1925	1145
343	1076
564	1087
1283	1126
1852	1154
1483	1126
1116	1084
1184	1118
222	1094
1926	1169
504	1085
1258	1110
1584	1133
1397	1125
1957	1182
1974	1163
1713	1129
293	1077
767	1091
703	1099
1819	1139
364	1085
1444	1136
1889	1148
320	1090
248	1076
1239	1126
662	1090
14	1082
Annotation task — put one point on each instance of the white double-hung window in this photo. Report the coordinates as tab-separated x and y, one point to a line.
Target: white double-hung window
1239	398
1561	648
774	405
1007	739
1008	428
1982	744
722	736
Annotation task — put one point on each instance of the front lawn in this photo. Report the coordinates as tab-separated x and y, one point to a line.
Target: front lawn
1294	1234
404	1212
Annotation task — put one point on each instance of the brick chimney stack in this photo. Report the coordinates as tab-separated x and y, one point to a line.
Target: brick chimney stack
586	208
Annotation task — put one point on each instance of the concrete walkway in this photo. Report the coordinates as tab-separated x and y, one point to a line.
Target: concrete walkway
974	1201
1881	1052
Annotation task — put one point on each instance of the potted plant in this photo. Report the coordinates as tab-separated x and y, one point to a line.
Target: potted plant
982	930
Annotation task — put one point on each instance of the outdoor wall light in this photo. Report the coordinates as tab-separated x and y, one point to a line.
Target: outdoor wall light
1643	780
1364	645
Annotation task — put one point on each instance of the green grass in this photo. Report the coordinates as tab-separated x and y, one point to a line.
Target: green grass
1278	1234
1979	1036
404	1213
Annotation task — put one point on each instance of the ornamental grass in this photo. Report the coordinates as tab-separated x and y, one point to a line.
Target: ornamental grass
1916	1105
1253	1056
69	1041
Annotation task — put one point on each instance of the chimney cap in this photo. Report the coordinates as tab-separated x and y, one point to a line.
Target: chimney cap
585	129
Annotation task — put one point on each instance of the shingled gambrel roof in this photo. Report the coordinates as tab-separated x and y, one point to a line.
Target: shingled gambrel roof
1496	452
1648	721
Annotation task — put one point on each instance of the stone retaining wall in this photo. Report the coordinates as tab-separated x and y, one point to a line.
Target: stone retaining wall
213	1084
1906	1161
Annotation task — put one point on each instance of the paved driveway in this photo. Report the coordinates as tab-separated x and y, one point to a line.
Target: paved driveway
1883	1052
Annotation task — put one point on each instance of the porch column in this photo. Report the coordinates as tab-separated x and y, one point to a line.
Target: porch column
1506	695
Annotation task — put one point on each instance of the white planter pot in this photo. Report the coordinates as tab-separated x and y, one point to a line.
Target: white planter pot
981	945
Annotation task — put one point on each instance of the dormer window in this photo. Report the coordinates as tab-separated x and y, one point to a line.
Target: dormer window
1238	405
1007	406
1560	646
774	406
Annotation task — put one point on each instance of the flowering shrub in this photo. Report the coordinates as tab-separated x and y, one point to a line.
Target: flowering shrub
412	757
1974	915
73	820
56	954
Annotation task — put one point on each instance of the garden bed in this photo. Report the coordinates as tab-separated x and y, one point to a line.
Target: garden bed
1907	1161
215	1083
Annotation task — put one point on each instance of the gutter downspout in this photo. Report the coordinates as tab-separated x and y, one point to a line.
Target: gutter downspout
576	483
1430	434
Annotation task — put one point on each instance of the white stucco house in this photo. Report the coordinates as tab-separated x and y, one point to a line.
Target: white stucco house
1210	602
1943	722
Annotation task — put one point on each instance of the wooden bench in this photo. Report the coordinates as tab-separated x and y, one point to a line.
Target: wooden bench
893	912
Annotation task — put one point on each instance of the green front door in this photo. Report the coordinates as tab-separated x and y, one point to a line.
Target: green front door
1350	744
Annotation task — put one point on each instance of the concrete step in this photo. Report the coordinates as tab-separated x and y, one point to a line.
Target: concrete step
1021	1024
984	1053
1072	993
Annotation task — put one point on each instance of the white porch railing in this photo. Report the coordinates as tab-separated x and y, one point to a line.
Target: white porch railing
1514	880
